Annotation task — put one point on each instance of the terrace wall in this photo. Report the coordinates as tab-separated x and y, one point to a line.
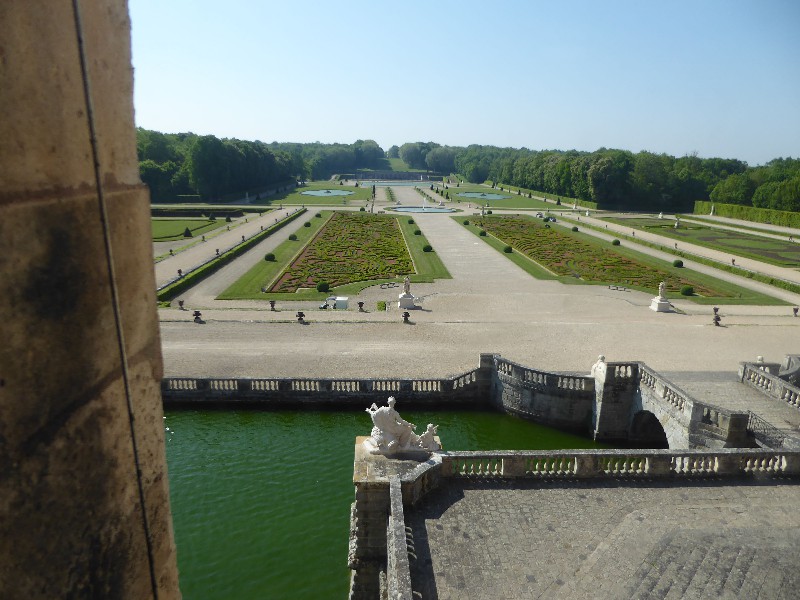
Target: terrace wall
603	406
392	485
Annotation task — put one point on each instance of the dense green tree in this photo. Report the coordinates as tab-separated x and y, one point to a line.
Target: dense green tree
734	189
393	152
441	159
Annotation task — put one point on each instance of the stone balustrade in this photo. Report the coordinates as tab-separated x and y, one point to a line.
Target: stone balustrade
758	377
468	388
584	464
398	546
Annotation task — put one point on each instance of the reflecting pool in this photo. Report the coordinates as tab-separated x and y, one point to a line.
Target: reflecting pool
483	196
327	193
261	499
425	209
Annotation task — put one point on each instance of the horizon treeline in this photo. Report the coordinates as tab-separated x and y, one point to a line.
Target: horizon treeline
176	165
185	164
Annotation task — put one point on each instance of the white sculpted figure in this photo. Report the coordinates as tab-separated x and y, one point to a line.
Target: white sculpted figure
427	441
406	285
391	433
599	367
662	290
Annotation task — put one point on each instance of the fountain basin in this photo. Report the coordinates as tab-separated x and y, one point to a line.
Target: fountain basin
483	196
327	193
423	209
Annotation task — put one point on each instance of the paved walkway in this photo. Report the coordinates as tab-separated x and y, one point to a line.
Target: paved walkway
609	540
222	239
793	231
718	225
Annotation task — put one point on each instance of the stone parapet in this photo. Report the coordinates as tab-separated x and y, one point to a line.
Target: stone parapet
757	376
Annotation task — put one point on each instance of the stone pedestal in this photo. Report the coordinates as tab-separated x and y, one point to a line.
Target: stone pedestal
405	301
660	304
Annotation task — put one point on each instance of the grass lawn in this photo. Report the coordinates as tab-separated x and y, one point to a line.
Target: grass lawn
511	200
398	164
775	252
359	197
265	274
427	264
167	229
575	257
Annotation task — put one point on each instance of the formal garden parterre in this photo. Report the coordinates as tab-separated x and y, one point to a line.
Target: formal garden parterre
576	256
351	247
782	253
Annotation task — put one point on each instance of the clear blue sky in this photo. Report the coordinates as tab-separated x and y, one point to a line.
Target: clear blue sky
720	78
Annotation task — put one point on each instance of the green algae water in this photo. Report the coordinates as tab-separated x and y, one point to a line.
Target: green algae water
261	500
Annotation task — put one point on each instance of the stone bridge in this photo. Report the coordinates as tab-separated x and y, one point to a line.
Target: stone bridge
626	403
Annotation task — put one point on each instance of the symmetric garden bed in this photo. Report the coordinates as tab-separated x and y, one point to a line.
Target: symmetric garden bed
351	247
571	254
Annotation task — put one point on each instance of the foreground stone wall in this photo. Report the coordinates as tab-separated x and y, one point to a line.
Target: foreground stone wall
387	571
84	505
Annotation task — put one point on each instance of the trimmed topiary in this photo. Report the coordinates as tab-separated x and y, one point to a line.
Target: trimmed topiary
362	209
508	249
427	248
488	212
323	287
306	224
677	263
687	290
466	222
482	233
318	215
574	229
615	242
417	232
269	257
292	237
187	232
411	221
227	219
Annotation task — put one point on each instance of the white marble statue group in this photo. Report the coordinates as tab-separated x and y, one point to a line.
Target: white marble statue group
391	434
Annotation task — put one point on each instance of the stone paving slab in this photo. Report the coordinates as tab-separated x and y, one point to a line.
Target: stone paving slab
610	539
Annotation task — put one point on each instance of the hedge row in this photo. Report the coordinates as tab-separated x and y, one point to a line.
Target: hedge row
749	213
194	277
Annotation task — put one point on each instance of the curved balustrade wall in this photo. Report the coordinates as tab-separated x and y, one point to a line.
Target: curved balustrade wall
754	375
560	399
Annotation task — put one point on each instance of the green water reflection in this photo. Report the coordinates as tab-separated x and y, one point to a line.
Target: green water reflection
260	500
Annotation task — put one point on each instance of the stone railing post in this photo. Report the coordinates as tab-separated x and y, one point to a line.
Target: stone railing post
659	465
587	465
729	464
513	466
613	400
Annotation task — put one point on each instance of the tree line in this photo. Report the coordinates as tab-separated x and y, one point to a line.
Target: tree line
617	178
176	165
180	164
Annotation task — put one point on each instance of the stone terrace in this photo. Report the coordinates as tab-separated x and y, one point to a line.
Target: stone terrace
607	539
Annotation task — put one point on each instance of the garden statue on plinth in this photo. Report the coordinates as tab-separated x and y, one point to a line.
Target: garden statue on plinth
392	435
660	302
406	299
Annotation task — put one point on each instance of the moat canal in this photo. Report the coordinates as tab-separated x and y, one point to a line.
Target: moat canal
261	499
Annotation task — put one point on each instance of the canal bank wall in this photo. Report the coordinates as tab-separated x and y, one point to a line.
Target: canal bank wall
625	403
